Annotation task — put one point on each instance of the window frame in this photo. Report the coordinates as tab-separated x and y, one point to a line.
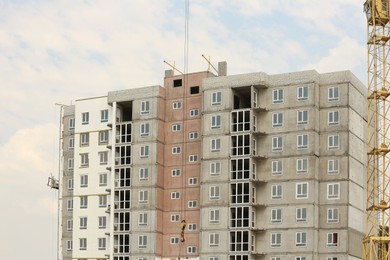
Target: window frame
302	117
216	98
215	168
302	165
277	119
145	107
275	240
302	141
302	93
333	215
332	192
104	115
276	191
301	239
333	166
85	118
215	122
215	145
144	129
277	167
177	105
333	142
194	135
301	215
333	118
214	193
333	94
299	190
276	215
277	96
194	112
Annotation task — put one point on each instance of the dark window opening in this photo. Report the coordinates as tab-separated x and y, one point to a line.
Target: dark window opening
194	90
177	83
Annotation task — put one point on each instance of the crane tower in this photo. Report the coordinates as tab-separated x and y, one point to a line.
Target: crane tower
376	243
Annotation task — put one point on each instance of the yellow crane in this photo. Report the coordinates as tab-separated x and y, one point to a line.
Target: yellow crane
376	241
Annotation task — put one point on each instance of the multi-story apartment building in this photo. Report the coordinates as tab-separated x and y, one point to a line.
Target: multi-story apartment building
215	167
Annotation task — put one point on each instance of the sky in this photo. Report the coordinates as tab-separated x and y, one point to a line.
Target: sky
57	51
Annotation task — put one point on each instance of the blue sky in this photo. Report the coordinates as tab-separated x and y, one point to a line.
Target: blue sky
57	51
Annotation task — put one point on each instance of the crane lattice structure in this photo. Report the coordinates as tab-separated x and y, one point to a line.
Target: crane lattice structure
376	243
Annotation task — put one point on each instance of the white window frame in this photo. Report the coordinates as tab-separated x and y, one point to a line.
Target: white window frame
69	245
194	112
300	239
69	205
102	243
144	129
213	239
83	243
104	115
145	107
277	167
84	159
144	151
83	222
278	96
71	144
191	249
214	216
276	191
103	179
70	184
301	214
216	98
176	150
103	137
277	143
143	219
143	174
70	164
303	93
333	215
277	119
176	105
215	122
69	225
102	222
175	195
215	168
85	118
192	227
302	165
83	180
103	158
302	141
84	139
174	240
333	191
102	201
193	135
192	181
333	118
214	193
176	127
333	142
300	190
192	158
333	166
71	123
192	204
276	215
302	117
333	94
275	240
332	239
143	196
175	172
142	241
215	145
83	202
175	218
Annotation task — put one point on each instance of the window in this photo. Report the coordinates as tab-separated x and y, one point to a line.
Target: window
70	164
276	191
175	218
302	190
174	240
84	139
213	240
193	158
83	244
143	196
333	118
175	172
83	202
215	168
176	127
102	243
194	90
104	115
176	150
333	239
102	201
275	258
302	165
214	216
277	167
277	96
214	193
177	83
191	249
301	214
70	184
302	93
102	221
215	122
213	258
69	205
193	135
103	158
145	108
85	118
176	105
276	240
71	144
333	190
277	143
302	117
333	142
142	241
277	119
331	258
175	195
143	174
84	160
302	141
333	166
69	245
276	215
143	219
191	227
215	145
300	239
144	129
192	181
216	98
103	179
69	225
84	180
300	258
144	151
333	94
71	123
194	112
192	204
83	222
333	215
